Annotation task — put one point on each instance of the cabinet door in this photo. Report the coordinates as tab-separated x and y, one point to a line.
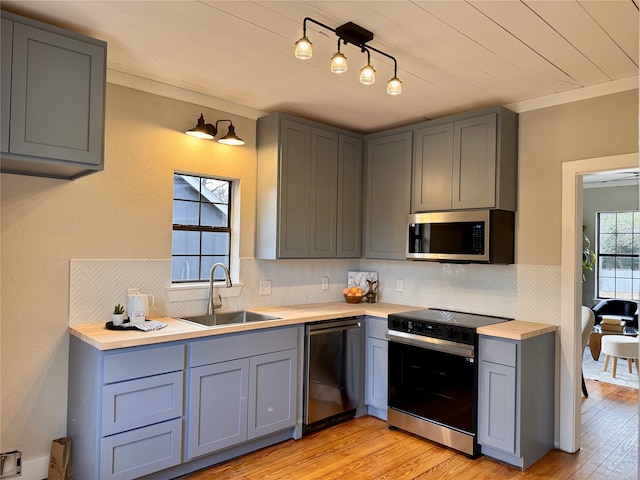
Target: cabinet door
324	193
497	406
272	393
388	195
217	406
474	162
57	96
349	222
376	383
5	81
432	169
295	170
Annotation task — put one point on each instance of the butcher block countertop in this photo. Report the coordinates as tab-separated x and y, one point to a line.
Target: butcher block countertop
98	336
516	329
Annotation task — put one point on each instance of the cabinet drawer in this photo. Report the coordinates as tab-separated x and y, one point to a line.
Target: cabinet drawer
143	362
142	451
377	327
136	403
231	347
499	351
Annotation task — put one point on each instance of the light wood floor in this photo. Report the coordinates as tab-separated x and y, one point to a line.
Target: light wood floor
365	449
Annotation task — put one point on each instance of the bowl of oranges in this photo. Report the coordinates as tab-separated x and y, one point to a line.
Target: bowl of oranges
353	294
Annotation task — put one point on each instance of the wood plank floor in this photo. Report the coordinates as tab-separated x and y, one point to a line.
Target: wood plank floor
365	449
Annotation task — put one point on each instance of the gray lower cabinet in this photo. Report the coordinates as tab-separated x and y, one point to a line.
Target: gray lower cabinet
388	194
309	190
53	93
466	161
241	387
376	371
158	410
516	398
125	410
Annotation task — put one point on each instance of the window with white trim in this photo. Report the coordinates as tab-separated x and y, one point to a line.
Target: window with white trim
201	227
617	250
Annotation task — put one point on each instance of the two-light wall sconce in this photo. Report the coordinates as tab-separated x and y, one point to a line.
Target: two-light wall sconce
209	131
358	36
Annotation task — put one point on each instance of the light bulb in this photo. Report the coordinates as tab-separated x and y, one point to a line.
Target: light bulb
338	63
367	75
394	86
304	49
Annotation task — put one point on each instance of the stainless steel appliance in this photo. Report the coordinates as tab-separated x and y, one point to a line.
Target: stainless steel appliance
433	377
333	380
479	236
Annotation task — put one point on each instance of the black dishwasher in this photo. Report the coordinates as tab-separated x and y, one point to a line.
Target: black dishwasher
333	372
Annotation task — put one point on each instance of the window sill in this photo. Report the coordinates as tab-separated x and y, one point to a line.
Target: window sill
185	292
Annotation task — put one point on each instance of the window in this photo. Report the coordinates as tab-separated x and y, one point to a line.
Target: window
201	227
617	252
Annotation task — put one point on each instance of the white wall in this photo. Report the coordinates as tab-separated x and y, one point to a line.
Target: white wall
124	213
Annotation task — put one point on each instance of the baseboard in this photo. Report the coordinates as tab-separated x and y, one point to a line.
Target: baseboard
35	468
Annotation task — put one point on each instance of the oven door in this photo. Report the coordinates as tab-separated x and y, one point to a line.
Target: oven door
434	380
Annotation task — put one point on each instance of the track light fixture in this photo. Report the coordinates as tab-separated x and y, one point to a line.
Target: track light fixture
208	132
358	36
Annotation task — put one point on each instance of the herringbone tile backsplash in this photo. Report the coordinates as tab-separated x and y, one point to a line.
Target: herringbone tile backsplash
525	292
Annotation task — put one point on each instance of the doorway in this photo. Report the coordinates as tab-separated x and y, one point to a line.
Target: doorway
571	290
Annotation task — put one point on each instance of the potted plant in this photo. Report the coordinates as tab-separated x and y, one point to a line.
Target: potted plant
588	255
118	315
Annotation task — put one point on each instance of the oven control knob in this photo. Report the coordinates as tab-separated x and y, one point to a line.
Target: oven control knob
453	333
465	336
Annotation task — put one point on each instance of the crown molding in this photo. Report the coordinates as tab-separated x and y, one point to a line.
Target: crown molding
584	93
165	90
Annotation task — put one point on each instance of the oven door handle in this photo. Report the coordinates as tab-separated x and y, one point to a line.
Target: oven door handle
431	343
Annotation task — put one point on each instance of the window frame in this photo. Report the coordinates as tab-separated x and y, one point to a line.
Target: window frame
227	229
634	293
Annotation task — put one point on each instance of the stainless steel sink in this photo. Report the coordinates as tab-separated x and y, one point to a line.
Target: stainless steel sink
228	318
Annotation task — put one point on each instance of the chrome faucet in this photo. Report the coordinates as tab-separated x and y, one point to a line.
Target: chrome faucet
212	303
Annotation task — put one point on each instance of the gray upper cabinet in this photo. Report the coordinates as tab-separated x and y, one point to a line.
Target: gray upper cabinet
466	161
432	168
295	191
388	174
7	35
350	180
324	193
53	91
309	190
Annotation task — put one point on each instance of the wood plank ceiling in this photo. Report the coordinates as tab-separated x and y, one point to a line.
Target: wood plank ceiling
452	55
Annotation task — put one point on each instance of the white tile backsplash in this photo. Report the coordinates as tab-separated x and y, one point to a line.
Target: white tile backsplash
525	292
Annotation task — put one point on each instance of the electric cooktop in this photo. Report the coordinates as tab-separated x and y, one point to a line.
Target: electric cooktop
445	324
463	319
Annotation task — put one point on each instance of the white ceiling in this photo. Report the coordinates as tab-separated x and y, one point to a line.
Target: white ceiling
611	179
452	55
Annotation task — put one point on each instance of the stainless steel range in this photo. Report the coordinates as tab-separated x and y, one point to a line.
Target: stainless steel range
433	377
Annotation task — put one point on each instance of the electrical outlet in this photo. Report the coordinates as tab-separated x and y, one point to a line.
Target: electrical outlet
265	287
399	285
325	283
10	464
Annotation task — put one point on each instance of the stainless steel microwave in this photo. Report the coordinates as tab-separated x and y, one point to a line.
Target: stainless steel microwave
466	236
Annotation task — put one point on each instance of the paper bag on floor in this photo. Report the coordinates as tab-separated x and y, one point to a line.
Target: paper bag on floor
60	466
